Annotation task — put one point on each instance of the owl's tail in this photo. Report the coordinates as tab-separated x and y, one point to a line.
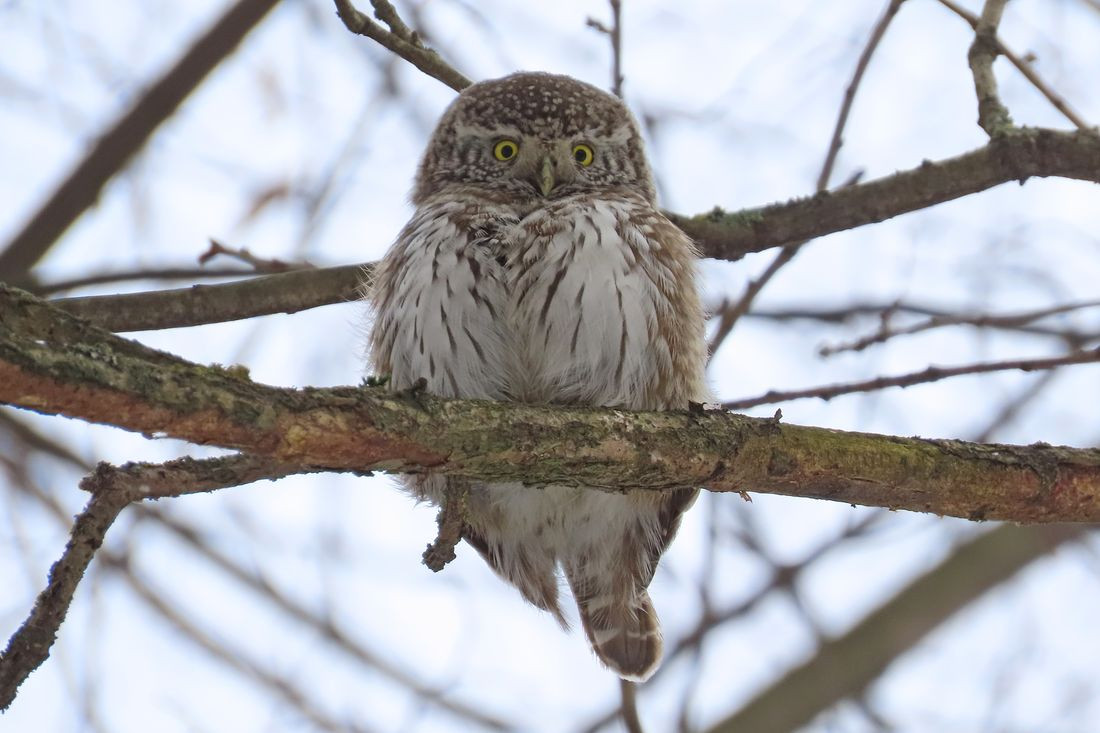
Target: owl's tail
624	632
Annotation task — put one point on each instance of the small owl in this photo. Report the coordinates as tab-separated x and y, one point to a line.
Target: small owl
537	268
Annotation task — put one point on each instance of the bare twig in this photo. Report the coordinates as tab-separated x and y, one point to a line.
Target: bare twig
628	709
287	292
931	374
281	687
992	115
185	476
155	273
119	562
259	264
126	136
30	645
1012	321
845	313
451	521
845	666
1024	67
400	40
731	315
864	61
614	33
387	13
616	47
112	489
377	662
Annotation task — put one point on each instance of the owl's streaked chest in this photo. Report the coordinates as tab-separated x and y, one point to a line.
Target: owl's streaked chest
558	306
583	306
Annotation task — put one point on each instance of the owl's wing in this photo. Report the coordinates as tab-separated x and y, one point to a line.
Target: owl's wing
437	299
530	570
670	512
683	331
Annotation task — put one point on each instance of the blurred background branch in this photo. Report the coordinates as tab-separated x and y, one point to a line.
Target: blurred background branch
122	140
302	604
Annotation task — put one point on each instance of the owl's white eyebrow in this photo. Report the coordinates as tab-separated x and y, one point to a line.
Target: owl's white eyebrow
620	134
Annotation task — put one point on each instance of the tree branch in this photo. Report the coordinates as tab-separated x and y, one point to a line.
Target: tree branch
844	666
55	364
30	645
992	115
1024	67
136	481
151	273
1009	321
614	34
837	140
377	662
399	39
287	292
127	136
1013	156
842	314
931	374
733	313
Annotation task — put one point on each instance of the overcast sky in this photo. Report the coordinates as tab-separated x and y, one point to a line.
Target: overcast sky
303	146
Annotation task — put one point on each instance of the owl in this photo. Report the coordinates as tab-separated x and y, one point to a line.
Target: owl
537	268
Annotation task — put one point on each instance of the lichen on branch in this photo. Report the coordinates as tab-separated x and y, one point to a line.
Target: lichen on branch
56	364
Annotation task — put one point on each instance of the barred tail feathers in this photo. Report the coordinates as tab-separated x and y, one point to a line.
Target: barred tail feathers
624	632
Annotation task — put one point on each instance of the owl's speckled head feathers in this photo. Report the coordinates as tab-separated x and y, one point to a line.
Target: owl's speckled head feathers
533	136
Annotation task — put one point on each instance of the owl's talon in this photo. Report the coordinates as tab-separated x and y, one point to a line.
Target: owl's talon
413	394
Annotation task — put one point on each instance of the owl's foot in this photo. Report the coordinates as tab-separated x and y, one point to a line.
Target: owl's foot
414	393
376	380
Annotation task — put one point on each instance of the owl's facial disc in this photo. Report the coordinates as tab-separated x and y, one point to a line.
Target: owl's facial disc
545	165
552	169
530	137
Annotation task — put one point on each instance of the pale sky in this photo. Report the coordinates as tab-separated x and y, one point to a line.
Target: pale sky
738	99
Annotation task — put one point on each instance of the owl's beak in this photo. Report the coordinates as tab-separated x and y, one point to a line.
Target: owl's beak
546	180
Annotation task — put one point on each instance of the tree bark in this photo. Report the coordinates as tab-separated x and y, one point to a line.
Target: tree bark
53	363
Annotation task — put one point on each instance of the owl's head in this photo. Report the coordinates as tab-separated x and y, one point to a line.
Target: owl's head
534	136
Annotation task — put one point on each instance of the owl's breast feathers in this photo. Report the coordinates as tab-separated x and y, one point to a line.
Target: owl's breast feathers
586	300
541	271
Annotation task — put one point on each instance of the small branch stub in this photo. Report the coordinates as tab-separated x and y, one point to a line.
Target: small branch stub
451	521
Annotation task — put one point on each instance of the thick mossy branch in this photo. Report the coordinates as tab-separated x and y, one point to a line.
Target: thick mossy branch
53	363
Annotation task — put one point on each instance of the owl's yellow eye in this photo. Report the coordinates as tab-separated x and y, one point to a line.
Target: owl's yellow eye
505	149
583	154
